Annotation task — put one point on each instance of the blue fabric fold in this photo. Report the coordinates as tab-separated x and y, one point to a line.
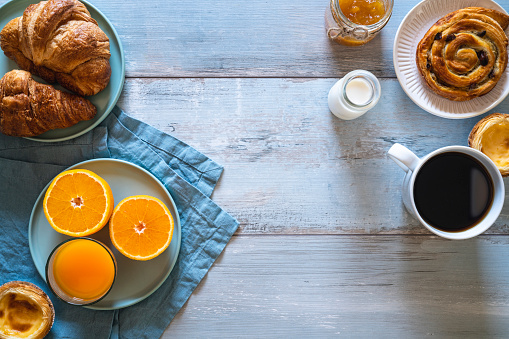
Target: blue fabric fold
27	166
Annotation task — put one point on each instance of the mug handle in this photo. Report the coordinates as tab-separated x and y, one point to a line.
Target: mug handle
403	157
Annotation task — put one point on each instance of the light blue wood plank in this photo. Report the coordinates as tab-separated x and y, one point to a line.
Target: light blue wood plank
351	286
242	39
291	167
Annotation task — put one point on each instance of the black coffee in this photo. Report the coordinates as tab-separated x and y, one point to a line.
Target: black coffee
453	191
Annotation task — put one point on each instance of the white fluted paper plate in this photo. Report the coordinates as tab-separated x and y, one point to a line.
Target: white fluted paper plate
411	30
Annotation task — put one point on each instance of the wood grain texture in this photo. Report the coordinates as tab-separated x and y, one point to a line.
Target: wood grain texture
291	167
351	286
242	38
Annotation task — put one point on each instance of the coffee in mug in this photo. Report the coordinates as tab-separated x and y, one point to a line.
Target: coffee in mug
453	191
456	192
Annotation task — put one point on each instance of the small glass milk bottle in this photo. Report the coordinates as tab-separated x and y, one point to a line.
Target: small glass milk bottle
354	94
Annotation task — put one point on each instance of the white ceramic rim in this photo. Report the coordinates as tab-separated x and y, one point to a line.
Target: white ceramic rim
498	196
411	30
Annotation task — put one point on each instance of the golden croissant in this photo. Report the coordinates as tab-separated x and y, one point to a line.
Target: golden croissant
29	108
59	41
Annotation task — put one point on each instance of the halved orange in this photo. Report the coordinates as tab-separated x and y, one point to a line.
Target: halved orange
78	202
141	227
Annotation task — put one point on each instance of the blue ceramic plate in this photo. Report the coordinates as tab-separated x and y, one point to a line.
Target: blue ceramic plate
135	280
104	100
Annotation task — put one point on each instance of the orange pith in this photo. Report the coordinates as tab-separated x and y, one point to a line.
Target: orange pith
78	203
141	227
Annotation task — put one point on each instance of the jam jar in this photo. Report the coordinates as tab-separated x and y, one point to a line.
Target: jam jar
355	22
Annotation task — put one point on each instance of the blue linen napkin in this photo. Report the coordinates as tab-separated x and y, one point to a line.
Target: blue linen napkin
27	166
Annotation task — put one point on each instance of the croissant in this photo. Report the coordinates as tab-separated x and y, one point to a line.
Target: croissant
464	54
29	108
59	41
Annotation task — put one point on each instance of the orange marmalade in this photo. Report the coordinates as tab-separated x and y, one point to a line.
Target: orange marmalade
363	12
355	22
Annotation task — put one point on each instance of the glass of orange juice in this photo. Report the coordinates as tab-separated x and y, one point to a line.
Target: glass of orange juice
81	271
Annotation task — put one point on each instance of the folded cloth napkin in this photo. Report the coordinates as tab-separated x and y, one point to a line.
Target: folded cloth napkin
27	166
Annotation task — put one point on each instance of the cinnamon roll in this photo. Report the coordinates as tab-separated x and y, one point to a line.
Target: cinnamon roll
464	54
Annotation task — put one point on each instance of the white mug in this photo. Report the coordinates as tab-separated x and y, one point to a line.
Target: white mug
412	164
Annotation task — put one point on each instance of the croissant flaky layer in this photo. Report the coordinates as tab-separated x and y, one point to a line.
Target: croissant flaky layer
29	108
464	54
59	41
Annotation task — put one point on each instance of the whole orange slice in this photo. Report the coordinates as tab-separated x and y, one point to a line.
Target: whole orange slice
78	202
141	227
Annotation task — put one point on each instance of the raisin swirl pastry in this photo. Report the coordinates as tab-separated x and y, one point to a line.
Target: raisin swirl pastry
464	54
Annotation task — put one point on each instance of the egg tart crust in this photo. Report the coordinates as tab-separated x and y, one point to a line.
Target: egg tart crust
25	311
491	136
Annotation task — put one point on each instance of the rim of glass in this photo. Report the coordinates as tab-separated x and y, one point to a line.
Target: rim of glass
336	10
373	83
110	253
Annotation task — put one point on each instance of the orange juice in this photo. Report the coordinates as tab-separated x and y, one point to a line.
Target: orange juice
83	269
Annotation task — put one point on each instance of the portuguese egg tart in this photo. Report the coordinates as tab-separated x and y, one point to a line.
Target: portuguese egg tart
25	311
464	54
491	136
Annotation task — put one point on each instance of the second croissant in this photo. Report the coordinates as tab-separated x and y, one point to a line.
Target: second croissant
29	108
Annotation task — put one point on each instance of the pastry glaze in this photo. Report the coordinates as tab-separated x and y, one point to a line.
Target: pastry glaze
29	108
59	41
25	311
464	54
491	136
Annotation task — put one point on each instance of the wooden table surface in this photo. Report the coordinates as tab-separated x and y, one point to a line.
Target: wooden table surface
325	247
